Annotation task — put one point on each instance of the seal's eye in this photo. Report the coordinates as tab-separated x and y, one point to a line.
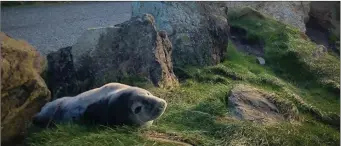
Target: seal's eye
137	109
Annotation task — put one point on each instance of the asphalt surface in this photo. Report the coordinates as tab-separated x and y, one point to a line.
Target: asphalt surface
53	26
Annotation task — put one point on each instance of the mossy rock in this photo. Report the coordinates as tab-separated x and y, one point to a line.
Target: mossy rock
23	91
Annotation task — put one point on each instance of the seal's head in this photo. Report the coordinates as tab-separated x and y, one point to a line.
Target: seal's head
134	106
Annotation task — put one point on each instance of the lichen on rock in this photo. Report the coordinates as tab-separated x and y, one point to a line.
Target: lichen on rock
198	30
23	91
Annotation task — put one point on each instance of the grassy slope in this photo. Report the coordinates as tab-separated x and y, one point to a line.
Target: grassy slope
197	112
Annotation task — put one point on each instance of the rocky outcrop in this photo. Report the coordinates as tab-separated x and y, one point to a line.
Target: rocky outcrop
323	26
289	12
198	30
252	104
327	15
23	91
134	50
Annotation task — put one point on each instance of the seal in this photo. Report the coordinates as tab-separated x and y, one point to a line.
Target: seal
111	104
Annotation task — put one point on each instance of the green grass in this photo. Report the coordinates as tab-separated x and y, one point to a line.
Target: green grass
288	53
197	113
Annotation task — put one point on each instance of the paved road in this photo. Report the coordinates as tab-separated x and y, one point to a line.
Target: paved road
50	27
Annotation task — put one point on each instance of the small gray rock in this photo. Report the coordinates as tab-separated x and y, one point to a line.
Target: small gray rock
261	60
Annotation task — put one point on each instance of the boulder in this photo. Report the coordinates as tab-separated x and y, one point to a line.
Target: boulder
198	30
129	52
252	104
23	91
61	78
294	13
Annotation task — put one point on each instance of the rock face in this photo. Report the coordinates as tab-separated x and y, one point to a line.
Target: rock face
323	26
327	14
133	50
198	30
23	91
61	77
248	103
289	12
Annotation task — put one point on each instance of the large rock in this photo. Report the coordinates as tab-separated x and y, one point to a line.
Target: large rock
134	50
197	30
294	13
252	104
23	91
61	76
